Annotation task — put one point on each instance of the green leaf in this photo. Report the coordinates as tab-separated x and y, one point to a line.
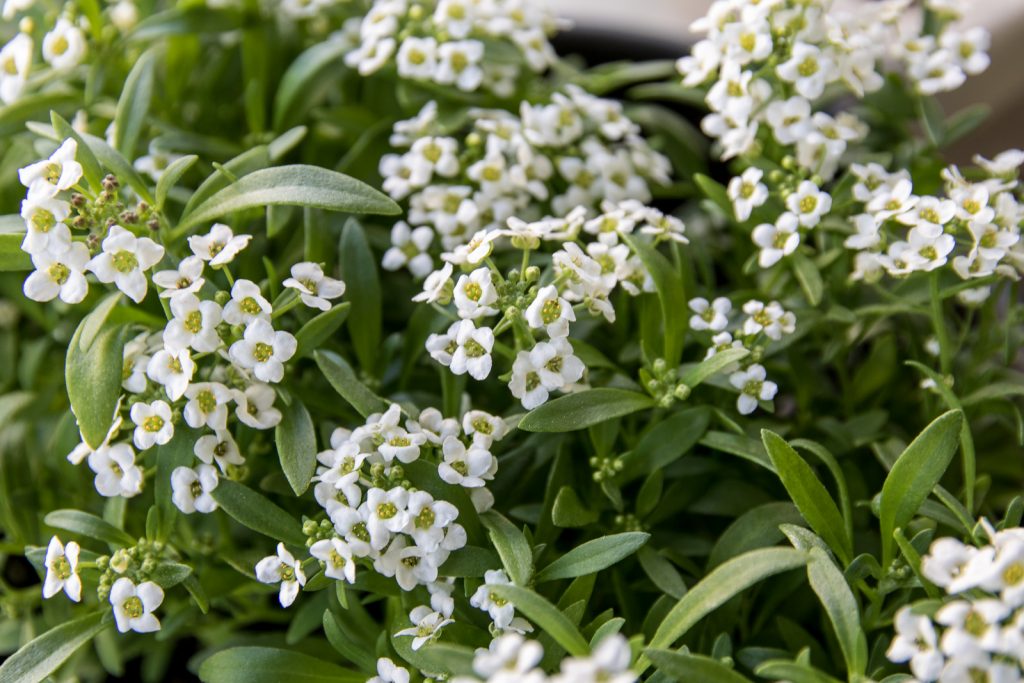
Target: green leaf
712	366
178	452
666	442
170	177
297	185
809	494
671	296
809	277
320	328
841	606
689	667
93	375
359	271
196	19
115	162
295	438
83	523
12	258
662	572
258	512
578	411
593	556
470	561
755	528
546	616
569	511
714	191
170	574
915	473
133	106
726	581
965	122
300	79
41	656
272	665
932	119
344	380
249	161
738	445
513	549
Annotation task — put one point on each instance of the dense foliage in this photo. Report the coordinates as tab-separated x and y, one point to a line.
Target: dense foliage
350	340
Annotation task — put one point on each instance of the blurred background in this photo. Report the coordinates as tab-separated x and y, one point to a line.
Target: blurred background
664	26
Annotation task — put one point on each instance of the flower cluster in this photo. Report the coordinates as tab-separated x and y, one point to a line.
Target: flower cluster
974	228
464	44
125	581
978	631
594	260
512	657
376	516
63	48
576	150
763	323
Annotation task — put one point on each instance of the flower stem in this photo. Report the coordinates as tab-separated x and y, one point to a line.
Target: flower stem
939	323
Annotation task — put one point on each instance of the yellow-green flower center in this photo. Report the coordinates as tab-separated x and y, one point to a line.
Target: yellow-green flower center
153	423
125	261
262	352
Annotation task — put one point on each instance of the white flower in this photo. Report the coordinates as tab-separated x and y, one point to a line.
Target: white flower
255	406
134	605
770	319
44	223
472	352
969	48
385	514
207	406
314	288
971	625
427	625
513	654
501	611
219	246
173	370
124	15
747	192
155	163
1006	575
15	62
186	279
936	72
809	204
607	663
417	58
460	64
337	558
64	46
84	450
428	519
550	311
1005	163
410	565
194	324
808	69
62	570
777	241
283	568
409	249
153	425
916	642
437	286
59	273
389	672
124	260
893	200
12	7
116	471
929	216
474	294
753	388
400	444
220	448
927	253
548	366
246	305
58	173
462	467
867	236
191	488
263	350
710	316
439	154
483	427
351	523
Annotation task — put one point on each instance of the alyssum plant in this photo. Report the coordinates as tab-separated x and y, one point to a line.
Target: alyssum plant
503	419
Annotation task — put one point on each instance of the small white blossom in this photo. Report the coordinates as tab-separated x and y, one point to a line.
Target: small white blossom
464	467
550	311
263	350
712	315
809	204
777	241
191	488
220	246
173	370
194	324
59	273
187	278
124	261
219	447
282	568
246	305
474	294
337	558
207	406
747	192
255	406
134	605
314	288
389	672
409	250
58	173
15	62
116	471
62	570
753	388
427	625
64	46
153	425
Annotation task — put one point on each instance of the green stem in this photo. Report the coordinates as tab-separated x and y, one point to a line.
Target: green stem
939	324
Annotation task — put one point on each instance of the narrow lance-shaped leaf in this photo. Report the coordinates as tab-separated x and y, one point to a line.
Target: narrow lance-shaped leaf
834	592
41	656
593	556
728	580
515	552
688	667
133	106
359	271
671	296
93	375
343	378
271	665
295	438
915	473
296	185
83	523
257	512
578	411
809	494
541	612
170	177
